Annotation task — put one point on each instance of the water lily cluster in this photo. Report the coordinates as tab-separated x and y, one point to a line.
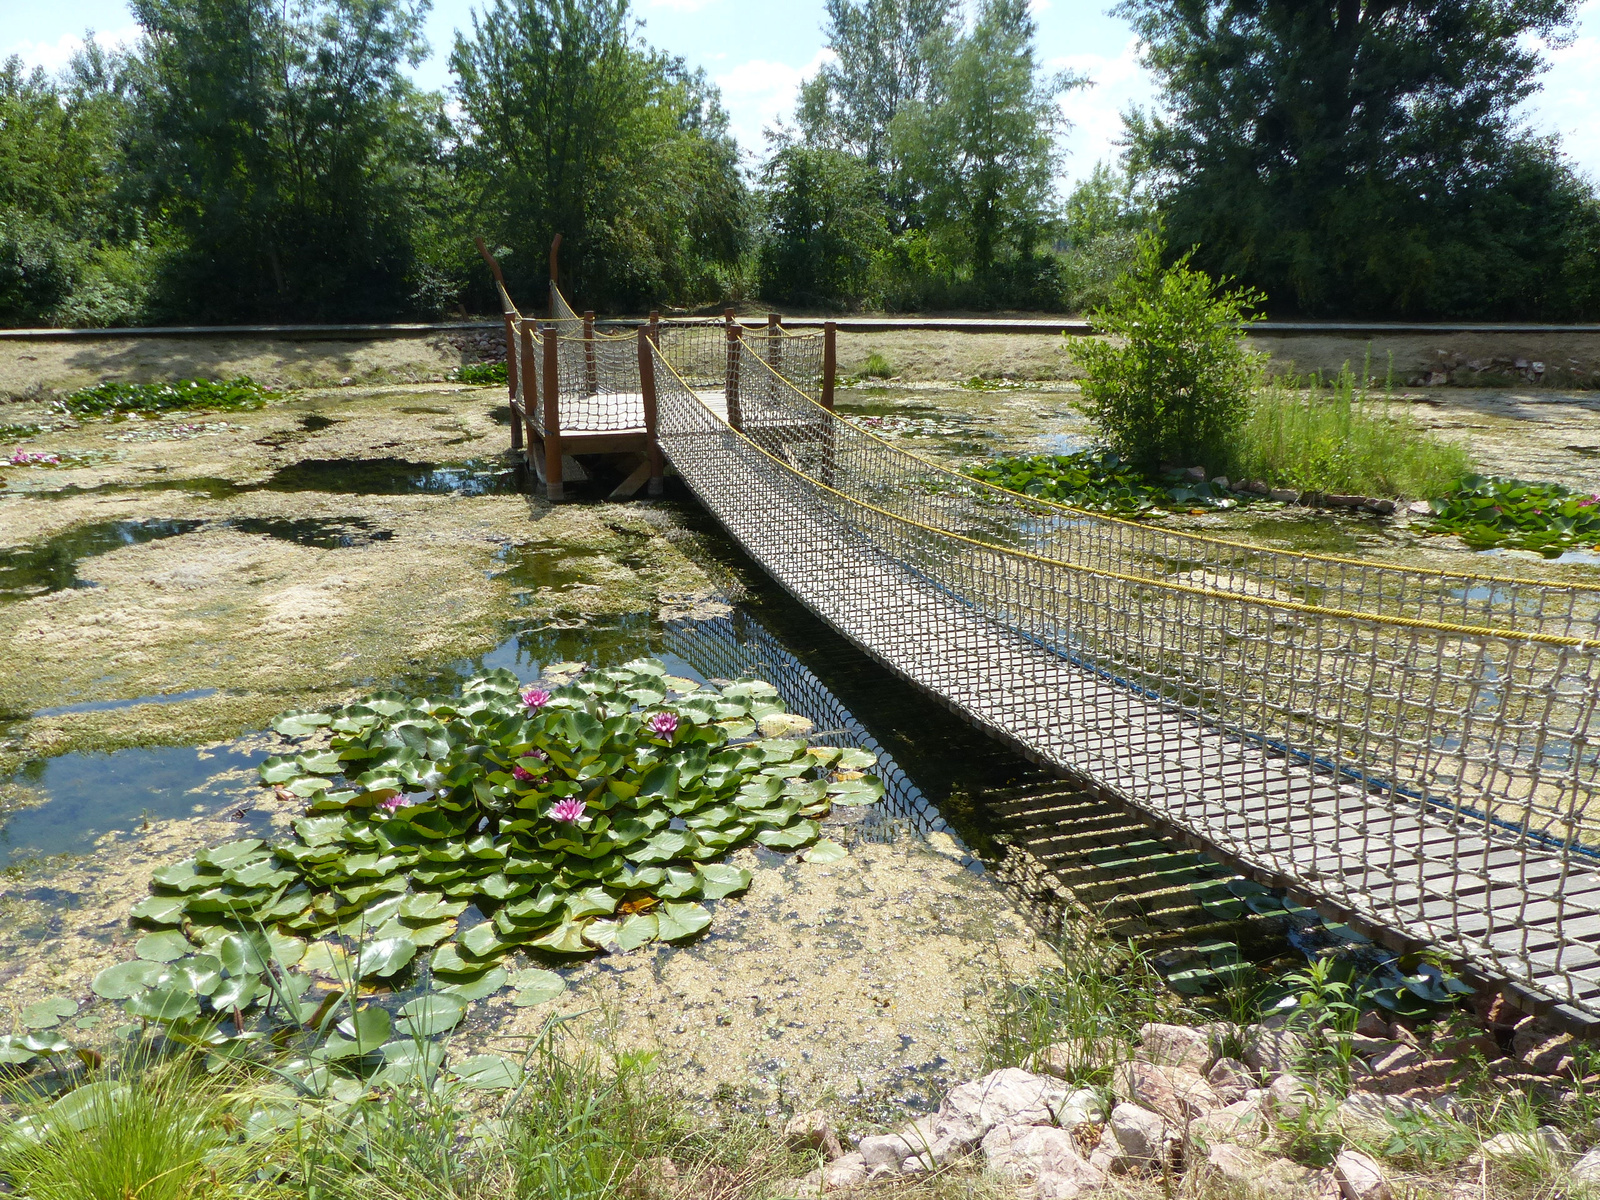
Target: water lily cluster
23	458
1487	511
441	834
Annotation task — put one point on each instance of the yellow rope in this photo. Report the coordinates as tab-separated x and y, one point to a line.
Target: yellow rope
1546	639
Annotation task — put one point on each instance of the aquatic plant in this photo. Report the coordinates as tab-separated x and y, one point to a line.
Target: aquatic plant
24	458
594	820
1099	481
1487	511
182	395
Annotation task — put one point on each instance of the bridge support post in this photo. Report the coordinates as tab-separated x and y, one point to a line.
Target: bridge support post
529	375
830	361
511	381
552	416
590	375
775	341
730	386
647	385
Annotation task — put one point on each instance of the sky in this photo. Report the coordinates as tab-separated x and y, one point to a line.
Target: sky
759	55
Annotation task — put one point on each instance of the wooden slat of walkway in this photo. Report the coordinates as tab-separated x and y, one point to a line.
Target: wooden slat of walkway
1394	864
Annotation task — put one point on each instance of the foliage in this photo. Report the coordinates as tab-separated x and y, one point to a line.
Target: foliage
824	225
109	399
571	127
1488	510
1367	160
160	1135
486	372
1098	481
1175	383
877	367
1340	441
982	149
287	153
1104	215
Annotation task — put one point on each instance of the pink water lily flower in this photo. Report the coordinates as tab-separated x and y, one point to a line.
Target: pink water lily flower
536	698
570	811
22	458
394	803
663	724
521	774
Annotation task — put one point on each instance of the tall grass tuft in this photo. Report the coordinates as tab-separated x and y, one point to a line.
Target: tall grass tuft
158	1133
1341	440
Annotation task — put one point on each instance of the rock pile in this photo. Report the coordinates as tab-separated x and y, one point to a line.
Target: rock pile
474	345
1181	1103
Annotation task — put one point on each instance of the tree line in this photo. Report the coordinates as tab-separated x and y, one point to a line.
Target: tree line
248	160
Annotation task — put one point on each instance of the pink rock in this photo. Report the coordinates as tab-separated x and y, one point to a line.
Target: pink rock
1175	1046
1042	1155
1360	1177
1004	1097
1177	1094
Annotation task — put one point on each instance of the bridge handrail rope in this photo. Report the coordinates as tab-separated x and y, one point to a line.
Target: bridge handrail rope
1411	745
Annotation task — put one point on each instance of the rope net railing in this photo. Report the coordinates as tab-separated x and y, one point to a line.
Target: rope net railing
1414	746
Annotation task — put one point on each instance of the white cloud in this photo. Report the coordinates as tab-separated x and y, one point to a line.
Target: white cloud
53	56
1096	109
759	92
1569	103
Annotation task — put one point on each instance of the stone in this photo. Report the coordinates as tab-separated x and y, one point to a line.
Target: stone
1375	1111
1243	1124
1543	1142
806	1187
1195	474
1175	1046
1360	1177
1005	1097
1230	1079
1284	494
1247	1173
1398	1057
810	1131
847	1172
883	1150
1419	508
1587	1169
1140	1135
1542	1049
1288	1097
1082	1105
1272	1052
1402	1034
1381	505
1176	1093
1372	1023
1220	481
1338	501
1042	1155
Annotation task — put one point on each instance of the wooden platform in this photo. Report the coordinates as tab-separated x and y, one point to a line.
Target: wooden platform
1511	908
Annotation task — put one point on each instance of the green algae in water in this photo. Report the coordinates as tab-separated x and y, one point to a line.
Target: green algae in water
53	567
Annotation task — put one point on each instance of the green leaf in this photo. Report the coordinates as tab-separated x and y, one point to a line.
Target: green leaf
127	979
163	1004
295	723
484	986
278	769
239	992
363	1034
429	907
566	938
384	957
159	910
798	834
663	847
487	1072
590	902
431	1014
484	941
536	987
825	851
636	931
677	921
718	880
163	947
854	792
410	1062
244	954
48	1013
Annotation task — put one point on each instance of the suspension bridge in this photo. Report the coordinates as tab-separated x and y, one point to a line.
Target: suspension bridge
1409	749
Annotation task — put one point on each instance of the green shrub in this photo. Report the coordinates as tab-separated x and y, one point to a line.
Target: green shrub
877	367
487	372
1340	442
1171	381
183	395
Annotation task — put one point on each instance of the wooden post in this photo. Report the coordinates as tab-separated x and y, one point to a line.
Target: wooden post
511	382
730	386
590	375
647	384
775	342
552	416
830	358
655	328
530	391
555	249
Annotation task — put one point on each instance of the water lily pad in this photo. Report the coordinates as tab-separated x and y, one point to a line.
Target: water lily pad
163	947
677	921
487	1072
487	984
410	1062
719	879
798	834
159	910
244	954
566	938
163	1004
636	931
299	724
385	957
48	1013
856	792
825	851
127	979
240	992
360	1035
536	987
431	1014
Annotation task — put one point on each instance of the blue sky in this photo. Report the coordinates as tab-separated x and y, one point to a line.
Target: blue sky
758	55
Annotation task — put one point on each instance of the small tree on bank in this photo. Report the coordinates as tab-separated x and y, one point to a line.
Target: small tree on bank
1170	379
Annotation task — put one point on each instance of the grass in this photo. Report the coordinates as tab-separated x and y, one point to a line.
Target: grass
1340	440
151	399
483	373
876	367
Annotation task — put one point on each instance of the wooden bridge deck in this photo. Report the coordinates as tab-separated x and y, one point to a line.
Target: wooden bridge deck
1287	823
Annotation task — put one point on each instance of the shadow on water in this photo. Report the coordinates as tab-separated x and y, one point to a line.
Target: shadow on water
400	477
